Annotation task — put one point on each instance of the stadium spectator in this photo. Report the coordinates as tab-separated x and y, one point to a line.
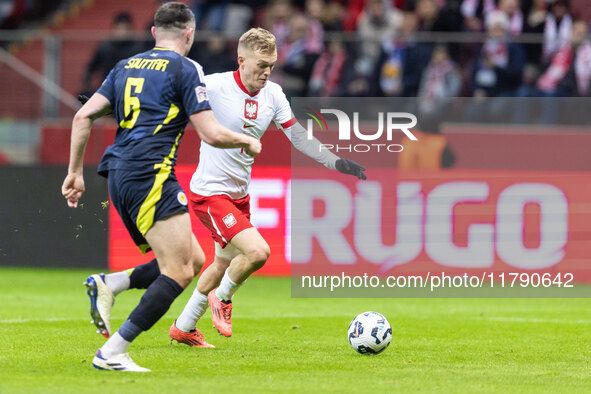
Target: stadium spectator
16	13
332	16
568	75
239	16
411	5
210	14
6	10
436	15
499	66
557	29
357	78
427	13
513	11
226	16
474	12
402	61
215	55
352	13
313	13
296	57
449	17
497	72
441	79
275	18
328	71
153	86
120	45
536	16
379	21
535	22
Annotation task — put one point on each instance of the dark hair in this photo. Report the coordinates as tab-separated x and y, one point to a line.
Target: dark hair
173	15
122	17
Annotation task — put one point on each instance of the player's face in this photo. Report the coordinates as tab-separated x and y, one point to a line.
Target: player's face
256	68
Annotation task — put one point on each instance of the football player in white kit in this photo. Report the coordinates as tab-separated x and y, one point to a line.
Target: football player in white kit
242	100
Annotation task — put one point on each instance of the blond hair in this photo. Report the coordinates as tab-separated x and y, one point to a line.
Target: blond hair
257	40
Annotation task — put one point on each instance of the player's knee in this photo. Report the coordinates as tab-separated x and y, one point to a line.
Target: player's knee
182	273
258	255
185	275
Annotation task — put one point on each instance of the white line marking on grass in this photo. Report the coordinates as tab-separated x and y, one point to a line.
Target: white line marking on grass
291	316
536	320
58	319
48	319
167	316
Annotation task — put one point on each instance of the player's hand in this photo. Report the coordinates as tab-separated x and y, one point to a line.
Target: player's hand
254	147
349	167
72	189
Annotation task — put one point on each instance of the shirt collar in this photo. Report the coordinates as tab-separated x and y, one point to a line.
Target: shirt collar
241	85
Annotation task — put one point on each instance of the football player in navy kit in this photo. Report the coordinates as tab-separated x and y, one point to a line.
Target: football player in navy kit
153	96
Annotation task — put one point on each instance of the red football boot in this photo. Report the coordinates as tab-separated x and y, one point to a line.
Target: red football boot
221	314
192	338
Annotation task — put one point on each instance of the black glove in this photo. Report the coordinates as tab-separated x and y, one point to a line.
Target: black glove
83	98
349	167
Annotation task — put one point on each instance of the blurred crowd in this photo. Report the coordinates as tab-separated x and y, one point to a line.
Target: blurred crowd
387	51
391	47
19	13
377	48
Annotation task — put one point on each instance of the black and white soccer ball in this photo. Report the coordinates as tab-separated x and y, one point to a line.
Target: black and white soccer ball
370	333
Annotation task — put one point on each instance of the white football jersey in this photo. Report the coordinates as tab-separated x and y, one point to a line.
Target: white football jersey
227	171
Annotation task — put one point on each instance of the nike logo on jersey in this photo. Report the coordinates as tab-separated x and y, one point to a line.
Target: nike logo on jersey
246	125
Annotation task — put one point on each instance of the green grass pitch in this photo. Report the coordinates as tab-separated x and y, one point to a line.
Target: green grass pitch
282	344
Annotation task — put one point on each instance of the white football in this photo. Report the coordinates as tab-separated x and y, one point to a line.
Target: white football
370	333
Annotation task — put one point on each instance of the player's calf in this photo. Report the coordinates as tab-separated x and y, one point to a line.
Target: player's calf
254	252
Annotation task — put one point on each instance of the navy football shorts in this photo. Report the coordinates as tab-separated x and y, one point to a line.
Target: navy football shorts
143	198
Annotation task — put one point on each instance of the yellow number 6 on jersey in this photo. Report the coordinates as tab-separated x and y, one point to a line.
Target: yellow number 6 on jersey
132	103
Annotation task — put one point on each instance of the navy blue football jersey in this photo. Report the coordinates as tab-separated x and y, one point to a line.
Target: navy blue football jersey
152	94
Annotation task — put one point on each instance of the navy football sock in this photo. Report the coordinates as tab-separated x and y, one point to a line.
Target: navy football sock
155	302
129	331
143	275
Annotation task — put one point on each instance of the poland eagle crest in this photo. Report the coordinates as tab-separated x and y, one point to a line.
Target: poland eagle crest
251	108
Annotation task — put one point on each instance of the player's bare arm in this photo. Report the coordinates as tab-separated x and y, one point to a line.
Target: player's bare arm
73	185
212	132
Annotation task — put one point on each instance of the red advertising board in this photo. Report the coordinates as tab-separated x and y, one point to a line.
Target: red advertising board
268	211
409	222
